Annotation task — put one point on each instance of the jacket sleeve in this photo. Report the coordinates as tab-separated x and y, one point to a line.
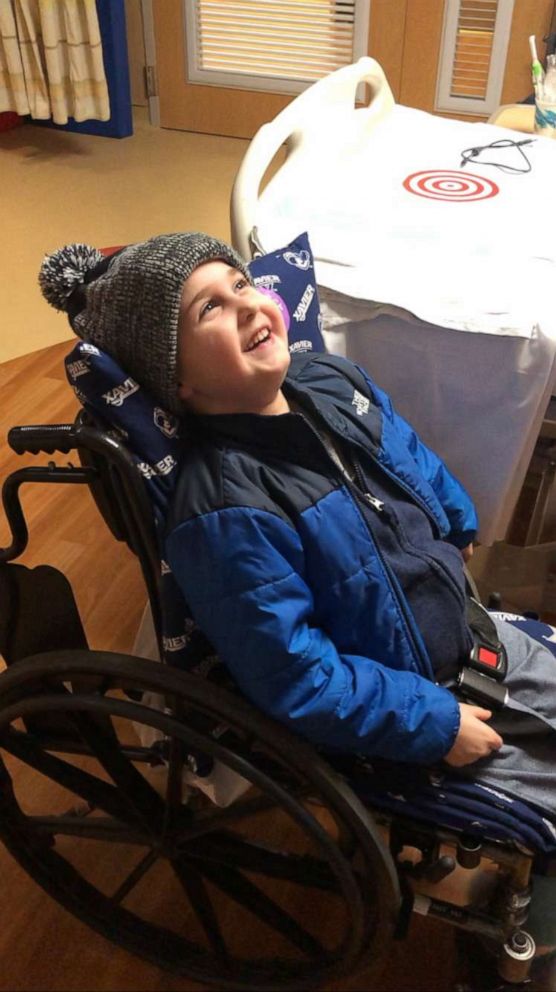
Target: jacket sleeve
454	499
248	594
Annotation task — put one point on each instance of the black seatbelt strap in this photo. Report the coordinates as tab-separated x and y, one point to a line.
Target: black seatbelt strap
480	680
488	654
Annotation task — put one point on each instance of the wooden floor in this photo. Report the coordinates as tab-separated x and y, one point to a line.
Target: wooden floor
41	946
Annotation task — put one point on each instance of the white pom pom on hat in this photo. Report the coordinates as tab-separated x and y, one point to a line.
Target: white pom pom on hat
66	269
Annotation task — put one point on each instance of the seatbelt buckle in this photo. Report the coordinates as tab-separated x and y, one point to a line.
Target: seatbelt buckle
482	689
489	659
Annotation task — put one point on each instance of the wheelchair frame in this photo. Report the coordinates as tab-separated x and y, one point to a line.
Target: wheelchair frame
72	702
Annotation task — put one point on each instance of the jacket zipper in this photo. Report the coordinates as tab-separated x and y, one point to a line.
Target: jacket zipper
436	566
403	485
378	506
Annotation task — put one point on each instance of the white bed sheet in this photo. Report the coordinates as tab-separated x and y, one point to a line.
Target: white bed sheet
449	305
395	218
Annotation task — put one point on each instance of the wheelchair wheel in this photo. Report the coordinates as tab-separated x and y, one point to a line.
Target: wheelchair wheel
288	887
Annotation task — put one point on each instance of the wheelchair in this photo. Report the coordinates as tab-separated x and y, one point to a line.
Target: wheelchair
321	862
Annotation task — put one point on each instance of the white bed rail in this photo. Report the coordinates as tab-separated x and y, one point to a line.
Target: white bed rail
324	113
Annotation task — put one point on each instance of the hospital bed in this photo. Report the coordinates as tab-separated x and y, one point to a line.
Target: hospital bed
435	277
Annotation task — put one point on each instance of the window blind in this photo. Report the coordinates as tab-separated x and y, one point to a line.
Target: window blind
473	54
278	44
474	40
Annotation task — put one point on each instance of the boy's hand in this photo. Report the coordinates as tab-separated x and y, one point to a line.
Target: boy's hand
475	738
467	552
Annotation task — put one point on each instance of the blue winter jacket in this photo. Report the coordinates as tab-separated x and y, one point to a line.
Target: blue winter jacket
279	559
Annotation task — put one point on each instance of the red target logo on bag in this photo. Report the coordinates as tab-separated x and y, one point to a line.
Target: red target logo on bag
452	185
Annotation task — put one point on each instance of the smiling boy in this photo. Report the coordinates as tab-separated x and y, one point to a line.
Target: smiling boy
318	542
233	347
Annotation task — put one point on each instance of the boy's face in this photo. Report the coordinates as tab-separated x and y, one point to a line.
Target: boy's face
232	344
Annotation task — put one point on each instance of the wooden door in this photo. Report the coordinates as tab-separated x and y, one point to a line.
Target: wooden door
193	107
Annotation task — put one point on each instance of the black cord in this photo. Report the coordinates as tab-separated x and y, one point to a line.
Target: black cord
470	154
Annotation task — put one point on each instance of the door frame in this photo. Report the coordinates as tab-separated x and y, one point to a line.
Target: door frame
153	100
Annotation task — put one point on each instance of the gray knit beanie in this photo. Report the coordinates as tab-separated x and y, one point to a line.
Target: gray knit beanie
128	303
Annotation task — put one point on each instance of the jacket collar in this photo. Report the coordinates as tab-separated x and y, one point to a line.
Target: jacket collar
287	435
327	396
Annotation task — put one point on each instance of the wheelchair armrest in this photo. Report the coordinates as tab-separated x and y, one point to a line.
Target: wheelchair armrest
49	438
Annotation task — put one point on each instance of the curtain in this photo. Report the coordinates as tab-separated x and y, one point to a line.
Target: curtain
51	60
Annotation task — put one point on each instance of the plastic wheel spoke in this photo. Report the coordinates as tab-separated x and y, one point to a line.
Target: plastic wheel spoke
303	869
94	828
98	793
207	822
134	877
101	738
248	895
195	889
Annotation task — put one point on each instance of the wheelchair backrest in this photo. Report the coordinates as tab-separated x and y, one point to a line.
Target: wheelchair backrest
134	500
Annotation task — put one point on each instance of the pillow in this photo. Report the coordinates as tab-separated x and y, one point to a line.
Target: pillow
288	276
151	433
